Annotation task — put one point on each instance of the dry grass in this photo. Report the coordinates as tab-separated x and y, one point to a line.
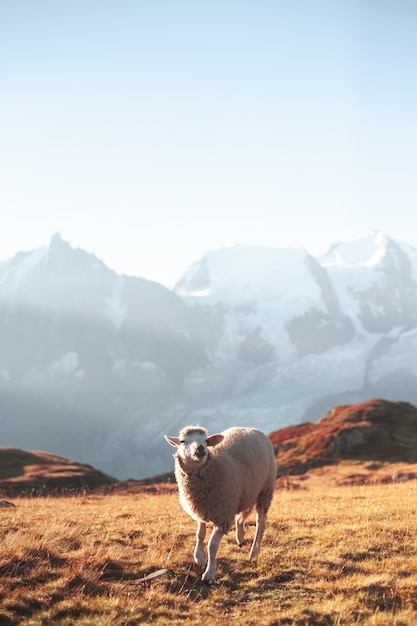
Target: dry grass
331	555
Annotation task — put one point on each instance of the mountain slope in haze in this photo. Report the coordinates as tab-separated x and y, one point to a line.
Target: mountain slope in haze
98	367
59	297
84	350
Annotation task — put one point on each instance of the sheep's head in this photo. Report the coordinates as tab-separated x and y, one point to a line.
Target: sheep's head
192	446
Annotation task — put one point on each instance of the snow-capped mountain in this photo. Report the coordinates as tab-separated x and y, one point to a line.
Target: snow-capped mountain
375	279
306	333
276	303
97	366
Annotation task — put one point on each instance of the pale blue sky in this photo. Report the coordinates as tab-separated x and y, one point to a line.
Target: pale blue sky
149	132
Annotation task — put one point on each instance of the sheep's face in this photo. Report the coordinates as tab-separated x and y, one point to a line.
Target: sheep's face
192	447
193	450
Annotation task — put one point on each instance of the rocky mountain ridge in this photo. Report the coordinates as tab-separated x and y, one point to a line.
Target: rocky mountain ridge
371	431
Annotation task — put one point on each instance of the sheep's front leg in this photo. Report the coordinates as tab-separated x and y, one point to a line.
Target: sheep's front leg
200	556
213	545
260	529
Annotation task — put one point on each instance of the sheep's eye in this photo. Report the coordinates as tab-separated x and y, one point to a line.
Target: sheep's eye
182	441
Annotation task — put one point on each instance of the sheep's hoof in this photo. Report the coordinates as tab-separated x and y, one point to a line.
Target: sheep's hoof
201	561
208	578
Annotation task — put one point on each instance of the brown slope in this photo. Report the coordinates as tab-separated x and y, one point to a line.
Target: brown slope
39	473
376	430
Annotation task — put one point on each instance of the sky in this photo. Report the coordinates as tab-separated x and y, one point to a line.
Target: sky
151	131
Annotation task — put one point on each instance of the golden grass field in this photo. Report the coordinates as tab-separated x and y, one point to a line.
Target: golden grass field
331	555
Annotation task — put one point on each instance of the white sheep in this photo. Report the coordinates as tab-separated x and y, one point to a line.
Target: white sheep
224	484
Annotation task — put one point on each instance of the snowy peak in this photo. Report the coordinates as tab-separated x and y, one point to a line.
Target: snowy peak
77	315
366	252
375	281
63	258
274	301
375	251
57	243
46	263
244	273
302	305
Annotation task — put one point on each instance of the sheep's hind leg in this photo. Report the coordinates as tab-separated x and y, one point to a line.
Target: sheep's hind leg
213	546
260	529
240	530
200	556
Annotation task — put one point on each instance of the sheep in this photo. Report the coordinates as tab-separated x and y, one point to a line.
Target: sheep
224	484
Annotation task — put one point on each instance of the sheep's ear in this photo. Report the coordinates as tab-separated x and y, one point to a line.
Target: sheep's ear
173	441
213	440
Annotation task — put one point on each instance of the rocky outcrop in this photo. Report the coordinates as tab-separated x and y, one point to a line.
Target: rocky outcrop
376	430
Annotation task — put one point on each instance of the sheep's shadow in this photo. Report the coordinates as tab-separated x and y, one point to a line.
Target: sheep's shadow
189	584
230	575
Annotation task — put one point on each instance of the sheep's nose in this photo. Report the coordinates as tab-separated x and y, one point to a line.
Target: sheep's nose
201	451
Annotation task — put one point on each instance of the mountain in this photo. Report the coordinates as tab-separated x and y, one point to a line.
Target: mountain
277	303
301	334
84	352
375	280
97	366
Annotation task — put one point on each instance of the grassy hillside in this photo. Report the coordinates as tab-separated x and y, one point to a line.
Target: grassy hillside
33	472
331	555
